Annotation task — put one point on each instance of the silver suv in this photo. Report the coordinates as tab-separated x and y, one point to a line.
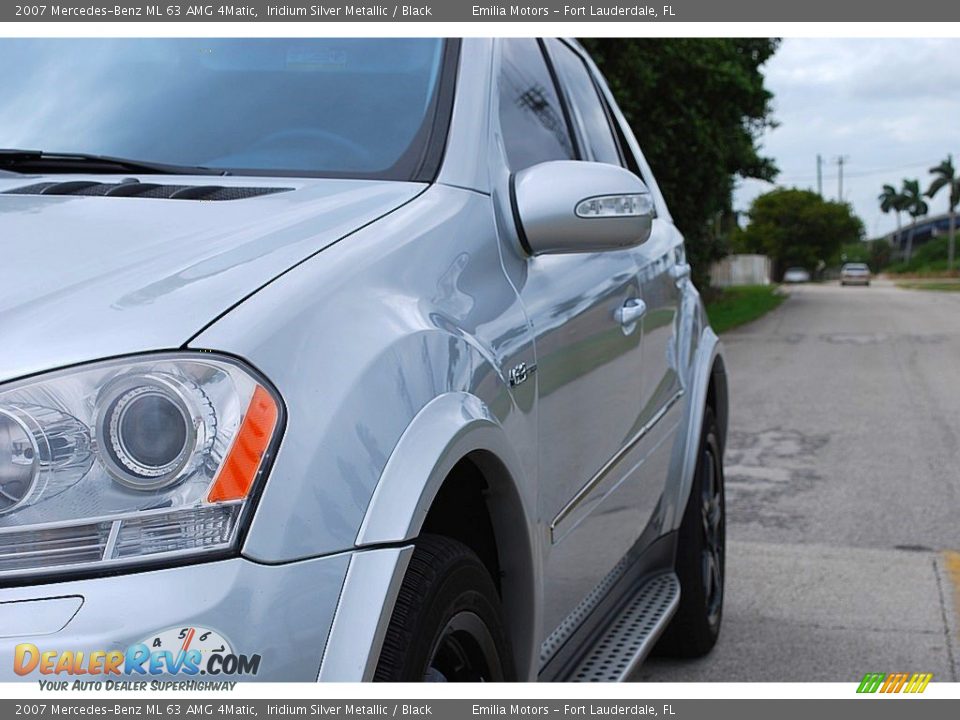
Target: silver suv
345	360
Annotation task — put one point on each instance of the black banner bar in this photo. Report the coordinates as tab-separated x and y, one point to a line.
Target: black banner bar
484	709
482	11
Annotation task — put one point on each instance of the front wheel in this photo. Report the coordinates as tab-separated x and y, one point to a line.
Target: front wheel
701	554
447	624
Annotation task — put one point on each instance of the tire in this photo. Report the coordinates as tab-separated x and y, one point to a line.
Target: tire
701	561
447	624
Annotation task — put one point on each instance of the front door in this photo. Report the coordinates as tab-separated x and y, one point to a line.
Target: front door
588	354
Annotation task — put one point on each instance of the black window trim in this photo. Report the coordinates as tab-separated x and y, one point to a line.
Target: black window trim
557	87
631	162
435	147
611	125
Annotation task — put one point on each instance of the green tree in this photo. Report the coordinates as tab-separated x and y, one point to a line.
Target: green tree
945	176
799	228
893	201
698	107
916	208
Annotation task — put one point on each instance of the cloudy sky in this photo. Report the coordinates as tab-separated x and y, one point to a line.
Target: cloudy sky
892	107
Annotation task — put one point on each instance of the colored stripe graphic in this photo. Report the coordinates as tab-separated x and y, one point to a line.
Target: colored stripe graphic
871	682
918	683
894	682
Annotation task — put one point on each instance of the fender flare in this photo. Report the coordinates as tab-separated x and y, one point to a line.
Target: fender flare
422	460
413	475
709	350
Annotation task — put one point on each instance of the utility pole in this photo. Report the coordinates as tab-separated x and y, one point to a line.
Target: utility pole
820	176
841	159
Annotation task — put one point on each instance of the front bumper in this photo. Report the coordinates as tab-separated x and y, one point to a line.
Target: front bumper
281	612
855	280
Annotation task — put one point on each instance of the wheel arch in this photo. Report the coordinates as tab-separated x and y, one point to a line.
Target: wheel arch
708	386
456	453
507	551
718	397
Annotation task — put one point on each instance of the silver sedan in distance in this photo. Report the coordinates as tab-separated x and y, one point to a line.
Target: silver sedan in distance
855	274
346	359
796	275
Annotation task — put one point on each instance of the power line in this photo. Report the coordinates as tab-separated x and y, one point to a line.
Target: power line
861	173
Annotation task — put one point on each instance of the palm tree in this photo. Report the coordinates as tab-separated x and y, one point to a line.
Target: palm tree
946	177
891	200
915	206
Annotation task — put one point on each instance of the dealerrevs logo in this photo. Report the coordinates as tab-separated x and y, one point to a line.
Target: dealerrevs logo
175	651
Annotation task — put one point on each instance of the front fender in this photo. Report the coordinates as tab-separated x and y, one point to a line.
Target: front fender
359	340
451	427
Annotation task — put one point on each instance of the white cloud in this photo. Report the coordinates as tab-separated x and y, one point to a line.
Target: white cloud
890	105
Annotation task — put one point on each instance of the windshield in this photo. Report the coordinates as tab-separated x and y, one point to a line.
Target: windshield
332	107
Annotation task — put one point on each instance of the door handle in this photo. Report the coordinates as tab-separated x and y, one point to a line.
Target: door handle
631	311
680	272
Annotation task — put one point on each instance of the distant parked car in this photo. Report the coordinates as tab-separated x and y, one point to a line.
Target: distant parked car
855	274
796	275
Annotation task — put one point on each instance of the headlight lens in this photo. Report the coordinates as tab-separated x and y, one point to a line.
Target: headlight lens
116	462
151	429
18	464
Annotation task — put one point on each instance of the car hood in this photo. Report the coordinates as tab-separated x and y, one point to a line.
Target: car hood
86	277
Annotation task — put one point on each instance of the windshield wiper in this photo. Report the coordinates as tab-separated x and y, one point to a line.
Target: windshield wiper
41	161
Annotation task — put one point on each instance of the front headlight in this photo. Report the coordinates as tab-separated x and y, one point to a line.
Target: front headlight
122	461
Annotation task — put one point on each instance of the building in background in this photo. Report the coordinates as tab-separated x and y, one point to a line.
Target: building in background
736	270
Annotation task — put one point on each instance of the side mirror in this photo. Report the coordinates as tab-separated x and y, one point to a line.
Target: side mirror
569	206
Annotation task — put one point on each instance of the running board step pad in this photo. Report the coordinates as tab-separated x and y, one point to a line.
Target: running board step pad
631	636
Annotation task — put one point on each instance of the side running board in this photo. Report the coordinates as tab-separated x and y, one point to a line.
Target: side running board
632	634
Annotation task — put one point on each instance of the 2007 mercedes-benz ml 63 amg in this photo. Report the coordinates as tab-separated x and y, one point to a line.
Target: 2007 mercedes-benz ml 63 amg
345	360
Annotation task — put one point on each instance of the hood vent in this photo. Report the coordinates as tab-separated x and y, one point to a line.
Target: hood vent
135	188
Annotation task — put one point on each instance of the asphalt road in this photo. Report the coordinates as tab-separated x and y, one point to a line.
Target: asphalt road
843	491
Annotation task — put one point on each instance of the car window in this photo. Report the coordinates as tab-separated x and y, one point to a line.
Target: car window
532	120
585	103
